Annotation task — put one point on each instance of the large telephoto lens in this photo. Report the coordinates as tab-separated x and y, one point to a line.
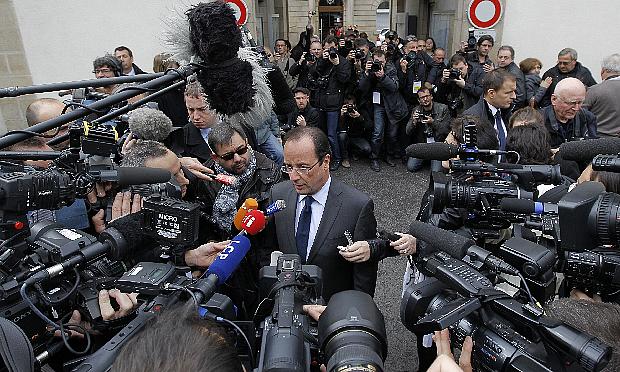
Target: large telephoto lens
352	333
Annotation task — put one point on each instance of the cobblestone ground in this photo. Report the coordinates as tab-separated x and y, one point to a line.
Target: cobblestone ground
396	193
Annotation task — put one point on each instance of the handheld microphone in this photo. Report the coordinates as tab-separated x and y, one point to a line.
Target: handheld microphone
275	207
588	149
253	222
444	151
524	206
458	246
606	163
149	124
132	175
248	205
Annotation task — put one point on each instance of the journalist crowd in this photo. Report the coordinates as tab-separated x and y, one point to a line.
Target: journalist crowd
340	101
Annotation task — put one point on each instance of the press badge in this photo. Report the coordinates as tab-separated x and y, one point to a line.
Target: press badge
376	98
416	86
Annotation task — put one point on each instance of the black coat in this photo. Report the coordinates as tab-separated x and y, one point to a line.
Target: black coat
395	106
483	112
470	94
310	114
330	97
580	72
582	126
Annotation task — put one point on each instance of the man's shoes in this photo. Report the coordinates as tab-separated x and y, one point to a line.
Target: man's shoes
346	164
374	165
334	165
390	161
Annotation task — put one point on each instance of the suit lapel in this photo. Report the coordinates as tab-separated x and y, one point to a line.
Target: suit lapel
330	212
288	217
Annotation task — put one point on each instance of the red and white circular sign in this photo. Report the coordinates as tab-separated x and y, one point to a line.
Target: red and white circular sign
241	10
484	13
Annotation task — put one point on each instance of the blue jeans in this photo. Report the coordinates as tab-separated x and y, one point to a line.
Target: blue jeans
330	123
378	132
272	149
415	164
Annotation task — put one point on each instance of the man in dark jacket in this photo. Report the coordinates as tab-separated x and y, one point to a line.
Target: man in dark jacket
380	82
304	114
412	70
255	175
125	56
567	67
505	58
480	57
463	91
494	107
430	122
333	75
564	118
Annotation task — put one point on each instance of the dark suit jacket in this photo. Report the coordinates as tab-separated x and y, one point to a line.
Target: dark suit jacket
188	141
346	209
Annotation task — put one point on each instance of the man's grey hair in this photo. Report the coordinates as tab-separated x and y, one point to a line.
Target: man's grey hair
143	151
149	124
568	51
611	63
508	48
193	88
222	134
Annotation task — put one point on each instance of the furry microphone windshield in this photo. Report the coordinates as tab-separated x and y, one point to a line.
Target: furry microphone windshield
233	80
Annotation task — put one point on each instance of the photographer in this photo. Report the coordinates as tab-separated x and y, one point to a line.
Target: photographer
430	122
353	132
304	114
480	57
391	47
413	71
333	74
306	67
437	67
379	84
461	86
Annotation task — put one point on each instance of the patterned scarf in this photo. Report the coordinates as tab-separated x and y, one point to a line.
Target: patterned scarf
225	205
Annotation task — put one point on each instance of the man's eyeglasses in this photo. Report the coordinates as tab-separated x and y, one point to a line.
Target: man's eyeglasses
102	71
230	155
564	63
304	169
423	97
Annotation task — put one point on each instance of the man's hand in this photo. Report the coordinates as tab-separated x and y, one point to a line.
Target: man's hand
351	55
335	61
380	74
460	82
579	295
128	144
123	205
444	354
406	245
403	65
126	302
314	311
356	252
204	255
300	121
547	82
445	75
197	169
488	67
100	191
428	120
367	67
302	58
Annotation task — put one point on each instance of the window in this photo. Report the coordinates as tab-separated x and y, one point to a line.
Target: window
383	16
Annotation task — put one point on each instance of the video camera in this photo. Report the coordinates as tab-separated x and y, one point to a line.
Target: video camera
508	335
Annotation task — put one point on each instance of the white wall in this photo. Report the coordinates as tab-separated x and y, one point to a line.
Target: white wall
542	28
63	37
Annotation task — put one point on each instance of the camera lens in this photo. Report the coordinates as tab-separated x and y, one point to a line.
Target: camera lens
603	220
352	332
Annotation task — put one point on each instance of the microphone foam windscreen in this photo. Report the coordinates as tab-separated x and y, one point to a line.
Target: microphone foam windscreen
453	244
248	205
142	175
521	206
254	222
432	151
132	229
149	124
229	259
587	149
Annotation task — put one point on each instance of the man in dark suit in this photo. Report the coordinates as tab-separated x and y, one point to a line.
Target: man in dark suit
320	209
191	140
494	107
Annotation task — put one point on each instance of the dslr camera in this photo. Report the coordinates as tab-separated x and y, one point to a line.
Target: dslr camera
411	57
455	74
376	66
359	54
333	52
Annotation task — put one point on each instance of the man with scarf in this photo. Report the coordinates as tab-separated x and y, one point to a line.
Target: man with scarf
255	174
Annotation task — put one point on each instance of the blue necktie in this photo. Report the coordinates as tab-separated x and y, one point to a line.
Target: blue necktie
303	228
500	131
